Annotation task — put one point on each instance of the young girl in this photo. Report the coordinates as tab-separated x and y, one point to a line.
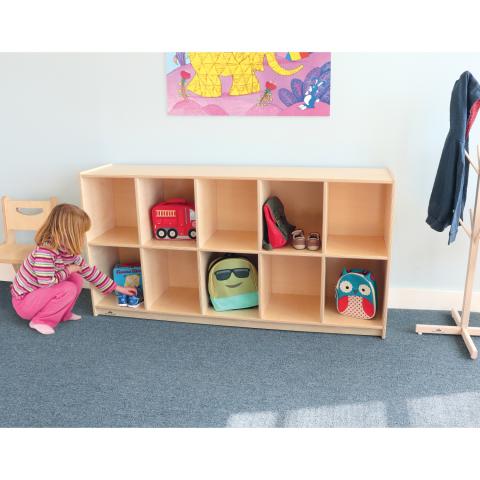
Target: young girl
50	280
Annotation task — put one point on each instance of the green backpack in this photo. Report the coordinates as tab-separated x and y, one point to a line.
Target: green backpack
232	283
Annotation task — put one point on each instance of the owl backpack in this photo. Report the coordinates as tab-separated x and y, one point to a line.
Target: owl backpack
356	294
232	283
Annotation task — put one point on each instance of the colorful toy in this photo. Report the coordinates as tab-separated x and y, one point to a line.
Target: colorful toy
174	219
129	275
232	283
356	294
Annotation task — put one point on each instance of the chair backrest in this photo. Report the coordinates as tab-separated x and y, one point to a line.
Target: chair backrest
24	215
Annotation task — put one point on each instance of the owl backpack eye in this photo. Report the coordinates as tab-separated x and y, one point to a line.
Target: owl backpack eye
364	289
345	286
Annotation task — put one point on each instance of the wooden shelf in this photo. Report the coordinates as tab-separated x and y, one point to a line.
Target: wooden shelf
333	318
109	302
351	209
289	250
351	246
231	241
117	237
171	244
178	300
244	314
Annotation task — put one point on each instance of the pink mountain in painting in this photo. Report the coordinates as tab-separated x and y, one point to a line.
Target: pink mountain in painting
286	96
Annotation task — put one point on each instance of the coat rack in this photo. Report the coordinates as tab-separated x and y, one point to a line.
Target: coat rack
462	323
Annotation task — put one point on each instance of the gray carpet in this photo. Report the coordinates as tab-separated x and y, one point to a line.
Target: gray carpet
115	372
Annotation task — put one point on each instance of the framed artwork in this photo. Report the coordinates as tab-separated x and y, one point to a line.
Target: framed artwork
249	83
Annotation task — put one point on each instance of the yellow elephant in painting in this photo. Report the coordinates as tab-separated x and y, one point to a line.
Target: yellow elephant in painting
241	66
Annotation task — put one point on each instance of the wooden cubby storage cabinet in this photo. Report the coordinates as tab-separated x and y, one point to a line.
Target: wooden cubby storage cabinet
351	208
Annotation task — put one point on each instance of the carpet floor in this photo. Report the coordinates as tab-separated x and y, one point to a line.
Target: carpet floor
122	372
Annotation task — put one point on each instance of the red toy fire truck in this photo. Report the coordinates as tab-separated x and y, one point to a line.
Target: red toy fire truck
174	218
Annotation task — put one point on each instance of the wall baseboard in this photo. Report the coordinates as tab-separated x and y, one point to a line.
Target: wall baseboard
406	298
427	299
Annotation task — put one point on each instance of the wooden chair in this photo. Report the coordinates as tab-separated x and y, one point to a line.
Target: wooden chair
21	215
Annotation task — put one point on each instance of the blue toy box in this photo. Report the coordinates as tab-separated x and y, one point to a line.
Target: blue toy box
129	275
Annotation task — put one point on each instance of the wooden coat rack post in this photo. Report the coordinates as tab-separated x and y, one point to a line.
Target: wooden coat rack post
462	323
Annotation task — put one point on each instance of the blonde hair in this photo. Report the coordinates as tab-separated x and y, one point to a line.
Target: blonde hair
64	228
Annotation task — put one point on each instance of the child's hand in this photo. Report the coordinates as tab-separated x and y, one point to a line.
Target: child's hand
73	268
126	290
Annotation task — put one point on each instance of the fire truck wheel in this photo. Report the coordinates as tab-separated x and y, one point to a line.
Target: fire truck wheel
172	233
161	233
192	233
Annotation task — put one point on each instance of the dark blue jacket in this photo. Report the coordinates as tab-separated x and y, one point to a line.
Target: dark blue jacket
450	188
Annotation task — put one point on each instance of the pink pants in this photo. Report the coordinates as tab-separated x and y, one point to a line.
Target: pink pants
50	305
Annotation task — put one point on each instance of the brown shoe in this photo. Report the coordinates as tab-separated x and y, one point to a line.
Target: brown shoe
313	241
298	239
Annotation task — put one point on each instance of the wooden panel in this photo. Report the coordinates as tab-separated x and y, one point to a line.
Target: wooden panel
171	244
202	260
206	209
179	300
237	205
293	308
363	175
264	283
290	251
97	197
148	191
332	317
118	237
228	320
295	275
232	241
124	203
182	269
155	275
356	209
354	246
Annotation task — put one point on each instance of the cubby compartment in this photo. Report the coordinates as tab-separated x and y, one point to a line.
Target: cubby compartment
151	191
303	202
105	258
171	281
334	267
110	202
291	288
359	220
245	313
227	214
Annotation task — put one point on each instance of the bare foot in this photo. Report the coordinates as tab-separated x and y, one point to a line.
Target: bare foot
73	316
42	328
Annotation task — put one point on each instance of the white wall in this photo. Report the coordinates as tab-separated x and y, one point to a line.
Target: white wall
62	113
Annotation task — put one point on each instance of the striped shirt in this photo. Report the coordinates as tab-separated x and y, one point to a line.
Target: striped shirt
45	267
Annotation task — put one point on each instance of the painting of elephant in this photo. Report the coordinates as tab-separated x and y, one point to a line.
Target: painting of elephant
248	83
241	66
